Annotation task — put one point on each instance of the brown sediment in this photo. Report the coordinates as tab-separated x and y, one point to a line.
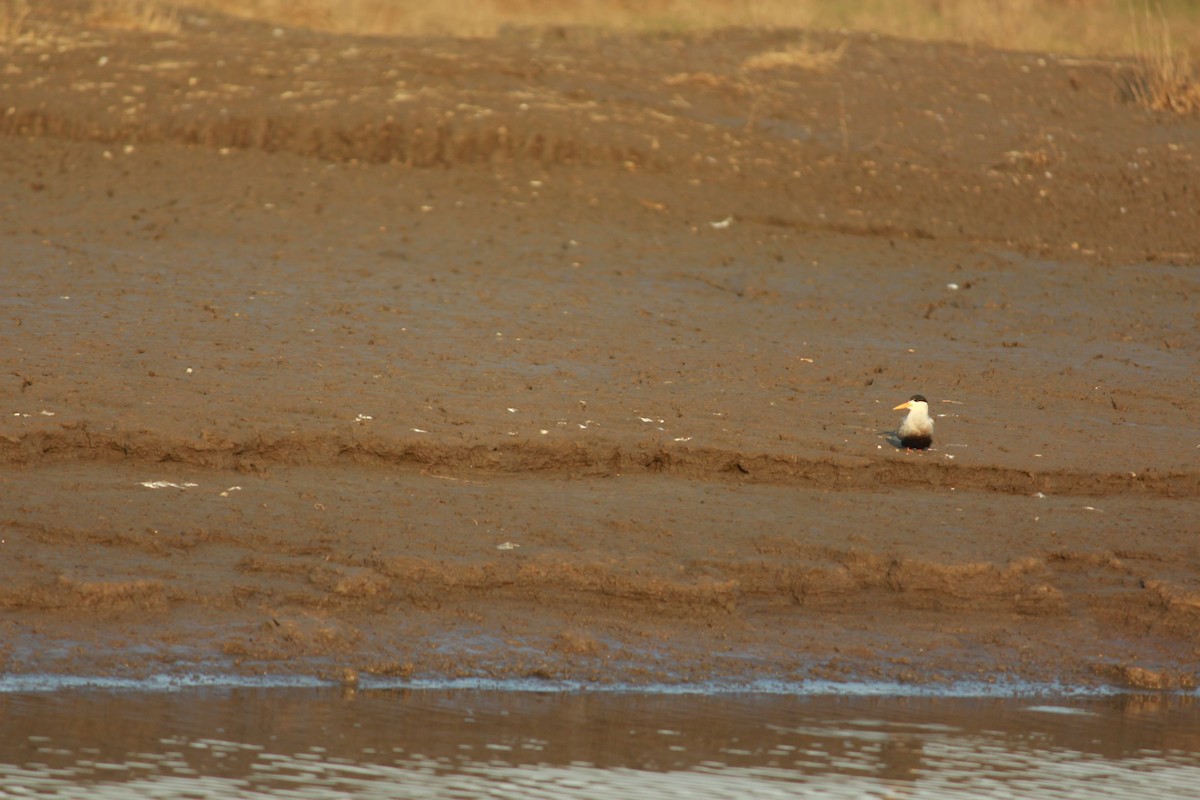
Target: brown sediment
570	356
592	458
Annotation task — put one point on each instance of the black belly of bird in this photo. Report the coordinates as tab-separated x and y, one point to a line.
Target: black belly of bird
916	442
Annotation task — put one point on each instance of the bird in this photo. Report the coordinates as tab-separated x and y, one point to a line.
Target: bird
916	431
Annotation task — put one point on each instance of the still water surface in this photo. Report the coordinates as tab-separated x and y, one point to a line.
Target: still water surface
404	742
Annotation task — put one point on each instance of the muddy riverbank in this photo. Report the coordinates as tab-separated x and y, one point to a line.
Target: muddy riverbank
572	355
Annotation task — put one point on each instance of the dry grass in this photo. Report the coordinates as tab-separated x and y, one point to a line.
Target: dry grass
141	15
1070	26
13	14
1082	27
1165	79
802	56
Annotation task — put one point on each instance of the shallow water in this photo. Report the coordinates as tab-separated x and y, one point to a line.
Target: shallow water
325	742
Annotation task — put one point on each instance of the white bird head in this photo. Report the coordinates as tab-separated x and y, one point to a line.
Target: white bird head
917	403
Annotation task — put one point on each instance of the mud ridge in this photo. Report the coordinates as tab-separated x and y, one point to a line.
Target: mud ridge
591	458
432	143
1024	587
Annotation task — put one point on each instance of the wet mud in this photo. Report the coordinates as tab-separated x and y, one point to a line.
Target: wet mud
572	355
